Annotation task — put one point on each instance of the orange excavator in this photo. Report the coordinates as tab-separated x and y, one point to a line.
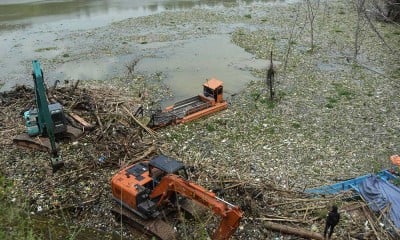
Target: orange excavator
211	101
148	191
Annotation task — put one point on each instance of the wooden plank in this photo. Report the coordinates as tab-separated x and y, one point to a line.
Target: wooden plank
82	121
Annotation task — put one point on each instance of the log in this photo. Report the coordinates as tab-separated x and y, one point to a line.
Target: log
370	221
293	231
149	130
277	219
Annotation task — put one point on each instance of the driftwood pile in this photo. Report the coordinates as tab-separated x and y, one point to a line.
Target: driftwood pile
115	137
105	115
118	134
289	213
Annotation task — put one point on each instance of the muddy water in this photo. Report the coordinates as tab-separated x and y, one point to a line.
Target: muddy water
37	29
189	64
78	14
186	64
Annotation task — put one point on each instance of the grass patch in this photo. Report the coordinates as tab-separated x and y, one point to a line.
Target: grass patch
332	101
377	166
210	128
342	91
255	95
14	222
396	33
337	30
271	104
270	130
176	137
296	125
46	49
395	73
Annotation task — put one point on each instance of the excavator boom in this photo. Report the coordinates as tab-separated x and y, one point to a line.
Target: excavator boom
45	121
229	213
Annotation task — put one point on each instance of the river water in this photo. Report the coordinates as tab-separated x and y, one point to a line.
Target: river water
80	14
33	29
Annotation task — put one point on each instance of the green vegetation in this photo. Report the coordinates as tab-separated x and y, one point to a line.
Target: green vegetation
296	125
14	222
331	102
270	130
337	30
342	91
396	73
210	128
46	49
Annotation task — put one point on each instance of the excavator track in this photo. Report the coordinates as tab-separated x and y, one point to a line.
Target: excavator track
152	227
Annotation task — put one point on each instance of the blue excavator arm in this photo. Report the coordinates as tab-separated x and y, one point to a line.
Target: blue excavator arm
45	122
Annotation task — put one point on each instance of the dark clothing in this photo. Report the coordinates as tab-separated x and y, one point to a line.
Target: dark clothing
331	221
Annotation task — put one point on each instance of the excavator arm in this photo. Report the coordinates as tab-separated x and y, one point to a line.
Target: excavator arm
229	213
45	121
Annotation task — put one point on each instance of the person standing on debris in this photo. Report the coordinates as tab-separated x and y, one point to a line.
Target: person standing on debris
331	221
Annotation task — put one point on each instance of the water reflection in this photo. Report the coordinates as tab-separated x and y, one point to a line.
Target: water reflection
186	64
32	12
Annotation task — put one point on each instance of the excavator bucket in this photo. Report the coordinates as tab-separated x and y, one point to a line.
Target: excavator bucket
43	143
38	143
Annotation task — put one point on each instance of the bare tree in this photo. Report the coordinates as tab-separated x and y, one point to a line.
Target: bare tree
360	8
290	39
270	81
293	35
372	26
363	16
311	18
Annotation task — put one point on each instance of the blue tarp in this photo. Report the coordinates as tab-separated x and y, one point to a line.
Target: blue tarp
379	193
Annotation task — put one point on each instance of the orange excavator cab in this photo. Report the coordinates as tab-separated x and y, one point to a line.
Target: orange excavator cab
144	190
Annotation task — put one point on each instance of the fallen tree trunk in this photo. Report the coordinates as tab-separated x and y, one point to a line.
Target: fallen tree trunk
293	231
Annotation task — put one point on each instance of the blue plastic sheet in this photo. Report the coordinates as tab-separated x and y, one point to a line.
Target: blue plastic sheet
379	193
